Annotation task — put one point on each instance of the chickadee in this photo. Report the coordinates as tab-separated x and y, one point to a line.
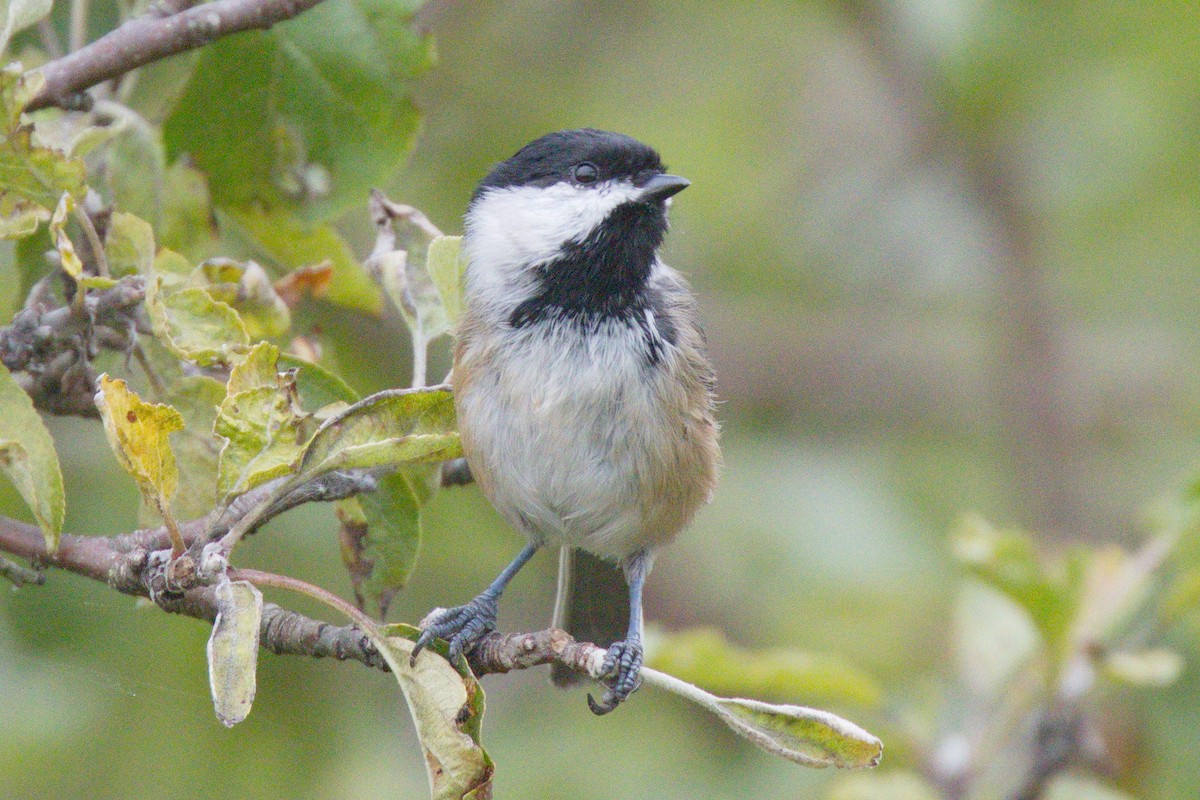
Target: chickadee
583	390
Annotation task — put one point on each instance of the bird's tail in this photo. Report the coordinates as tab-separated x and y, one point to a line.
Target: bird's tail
592	604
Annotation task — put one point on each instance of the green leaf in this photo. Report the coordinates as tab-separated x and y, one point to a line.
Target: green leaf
318	386
188	321
411	291
398	426
264	429
292	243
22	221
137	170
703	656
129	245
1008	561
807	736
233	650
1182	596
326	94
188	226
32	177
446	264
380	546
447	705
18	15
28	457
138	433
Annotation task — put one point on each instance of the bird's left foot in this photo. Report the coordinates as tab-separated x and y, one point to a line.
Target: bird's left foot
623	664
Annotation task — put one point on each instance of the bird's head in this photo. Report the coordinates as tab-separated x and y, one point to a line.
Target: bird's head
577	205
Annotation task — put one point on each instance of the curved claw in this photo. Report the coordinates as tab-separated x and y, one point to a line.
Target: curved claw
422	641
624	663
460	626
607	703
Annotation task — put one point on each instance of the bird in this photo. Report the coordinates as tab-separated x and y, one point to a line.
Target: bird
584	393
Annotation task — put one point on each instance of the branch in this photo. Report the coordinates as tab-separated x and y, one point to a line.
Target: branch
497	653
49	346
126	563
154	36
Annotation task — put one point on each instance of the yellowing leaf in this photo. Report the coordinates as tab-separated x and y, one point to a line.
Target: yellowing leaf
447	706
806	736
1158	666
233	650
265	430
187	320
32	177
890	785
28	457
446	264
58	227
399	426
246	287
138	433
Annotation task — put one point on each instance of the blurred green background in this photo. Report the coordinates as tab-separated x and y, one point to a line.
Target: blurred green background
946	256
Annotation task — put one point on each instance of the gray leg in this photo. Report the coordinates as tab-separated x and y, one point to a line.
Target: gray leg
623	663
462	626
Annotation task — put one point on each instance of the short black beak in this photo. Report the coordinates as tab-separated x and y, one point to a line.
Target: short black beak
660	187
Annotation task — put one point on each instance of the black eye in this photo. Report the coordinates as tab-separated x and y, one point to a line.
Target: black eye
585	172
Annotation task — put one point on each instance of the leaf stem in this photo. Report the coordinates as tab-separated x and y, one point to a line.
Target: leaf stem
152	376
97	247
178	545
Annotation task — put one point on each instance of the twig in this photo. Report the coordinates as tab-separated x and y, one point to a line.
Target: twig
50	346
78	25
383	208
19	575
151	37
50	41
152	377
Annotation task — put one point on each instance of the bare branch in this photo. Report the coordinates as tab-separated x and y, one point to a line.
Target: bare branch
126	563
497	653
153	36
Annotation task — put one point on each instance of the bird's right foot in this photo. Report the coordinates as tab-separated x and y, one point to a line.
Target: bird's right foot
461	627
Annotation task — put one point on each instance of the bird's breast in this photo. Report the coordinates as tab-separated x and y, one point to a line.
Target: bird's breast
576	436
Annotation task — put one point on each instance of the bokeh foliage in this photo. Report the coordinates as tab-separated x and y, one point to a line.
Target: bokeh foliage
848	274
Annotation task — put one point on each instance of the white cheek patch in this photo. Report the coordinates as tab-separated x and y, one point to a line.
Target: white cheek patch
511	229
